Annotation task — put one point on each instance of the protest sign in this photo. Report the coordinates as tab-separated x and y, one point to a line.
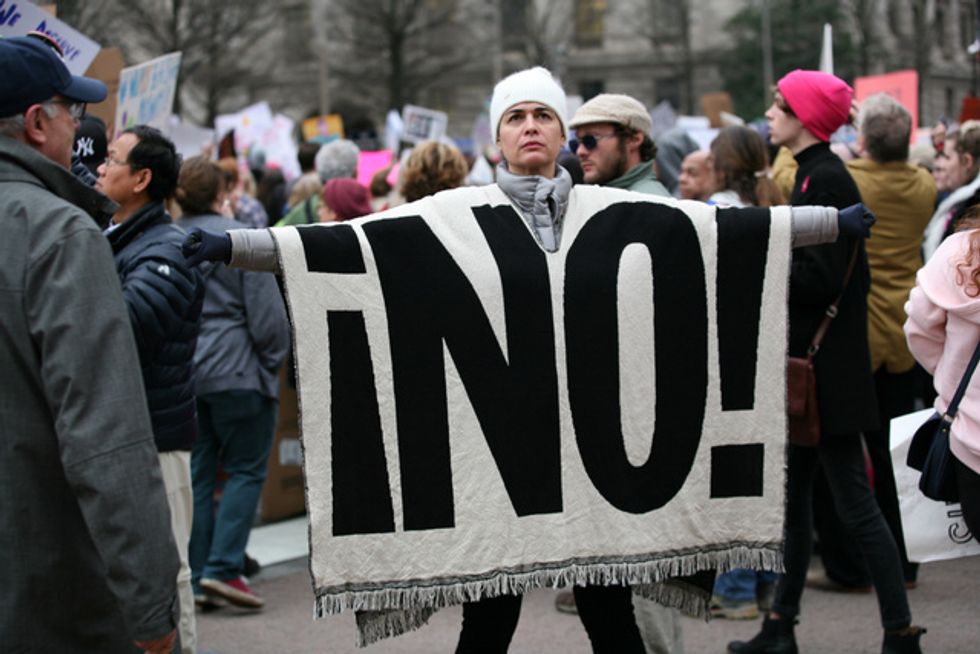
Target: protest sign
277	143
329	125
107	67
190	139
902	85
369	163
496	418
662	118
20	17
713	104
146	93
421	124
249	124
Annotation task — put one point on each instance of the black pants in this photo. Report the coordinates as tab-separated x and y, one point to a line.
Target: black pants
843	462
968	482
839	551
606	613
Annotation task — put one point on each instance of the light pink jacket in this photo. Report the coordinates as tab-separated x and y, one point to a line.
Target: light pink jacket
943	329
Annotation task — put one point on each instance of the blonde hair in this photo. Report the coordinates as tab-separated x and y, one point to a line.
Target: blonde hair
305	187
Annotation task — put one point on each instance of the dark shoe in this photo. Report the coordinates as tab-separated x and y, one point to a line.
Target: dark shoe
250	567
235	591
565	602
821	581
903	641
208	603
776	637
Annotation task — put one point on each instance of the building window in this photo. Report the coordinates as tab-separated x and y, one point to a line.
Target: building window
589	23
590	89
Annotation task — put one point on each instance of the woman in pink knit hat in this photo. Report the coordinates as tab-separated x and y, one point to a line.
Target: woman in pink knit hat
808	106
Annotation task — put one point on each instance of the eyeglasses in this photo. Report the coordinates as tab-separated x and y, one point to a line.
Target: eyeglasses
109	161
75	109
590	142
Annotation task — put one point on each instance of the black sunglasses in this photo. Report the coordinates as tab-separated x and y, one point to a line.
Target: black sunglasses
590	142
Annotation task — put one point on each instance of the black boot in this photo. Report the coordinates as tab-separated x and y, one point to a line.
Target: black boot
902	641
776	637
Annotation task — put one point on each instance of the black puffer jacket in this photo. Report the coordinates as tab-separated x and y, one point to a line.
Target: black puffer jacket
164	299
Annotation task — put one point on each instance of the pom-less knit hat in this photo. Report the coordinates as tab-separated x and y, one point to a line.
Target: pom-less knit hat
347	198
530	85
821	101
623	110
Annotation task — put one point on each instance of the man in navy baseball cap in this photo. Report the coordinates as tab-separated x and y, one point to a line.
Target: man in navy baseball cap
37	86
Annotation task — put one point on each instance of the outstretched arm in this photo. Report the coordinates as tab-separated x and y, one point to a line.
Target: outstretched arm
251	249
816	225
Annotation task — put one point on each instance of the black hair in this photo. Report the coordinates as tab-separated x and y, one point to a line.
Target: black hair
156	153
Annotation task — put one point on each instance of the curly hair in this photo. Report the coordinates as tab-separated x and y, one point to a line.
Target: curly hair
430	168
741	164
968	270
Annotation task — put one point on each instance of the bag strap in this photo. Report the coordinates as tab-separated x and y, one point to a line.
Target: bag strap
961	389
831	311
308	210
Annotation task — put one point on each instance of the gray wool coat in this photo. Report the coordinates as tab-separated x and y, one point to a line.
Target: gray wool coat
89	562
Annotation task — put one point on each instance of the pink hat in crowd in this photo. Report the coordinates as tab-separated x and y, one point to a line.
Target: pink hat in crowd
347	198
821	101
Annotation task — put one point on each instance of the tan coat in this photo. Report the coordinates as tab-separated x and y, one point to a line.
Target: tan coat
902	198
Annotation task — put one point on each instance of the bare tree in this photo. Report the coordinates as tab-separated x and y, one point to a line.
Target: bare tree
866	17
93	18
544	30
385	52
225	45
666	24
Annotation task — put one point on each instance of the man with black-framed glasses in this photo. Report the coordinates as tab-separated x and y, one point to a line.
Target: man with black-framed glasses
612	140
84	521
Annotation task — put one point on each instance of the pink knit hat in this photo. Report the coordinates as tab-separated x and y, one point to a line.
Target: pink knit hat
821	101
347	198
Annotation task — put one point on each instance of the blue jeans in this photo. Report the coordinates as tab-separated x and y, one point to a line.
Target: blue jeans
739	585
843	462
236	430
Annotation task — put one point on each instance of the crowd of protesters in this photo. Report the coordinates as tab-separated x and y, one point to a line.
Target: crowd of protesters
141	405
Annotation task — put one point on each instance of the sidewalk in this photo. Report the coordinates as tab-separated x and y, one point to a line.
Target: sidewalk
947	601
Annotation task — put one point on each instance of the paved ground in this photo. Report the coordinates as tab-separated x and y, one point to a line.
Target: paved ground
947	601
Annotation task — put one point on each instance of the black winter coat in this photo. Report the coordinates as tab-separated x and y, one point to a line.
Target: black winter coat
164	298
845	387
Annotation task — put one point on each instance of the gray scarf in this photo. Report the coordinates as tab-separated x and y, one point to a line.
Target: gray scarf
542	201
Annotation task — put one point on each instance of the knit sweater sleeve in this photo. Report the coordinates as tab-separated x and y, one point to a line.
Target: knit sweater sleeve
253	249
813	225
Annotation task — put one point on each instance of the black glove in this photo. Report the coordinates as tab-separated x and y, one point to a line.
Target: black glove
855	220
206	246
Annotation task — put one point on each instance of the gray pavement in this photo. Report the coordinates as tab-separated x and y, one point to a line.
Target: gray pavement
947	602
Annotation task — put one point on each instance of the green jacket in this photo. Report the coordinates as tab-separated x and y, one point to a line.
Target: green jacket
304	213
642	179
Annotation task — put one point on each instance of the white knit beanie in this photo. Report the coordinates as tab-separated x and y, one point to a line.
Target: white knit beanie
616	108
529	85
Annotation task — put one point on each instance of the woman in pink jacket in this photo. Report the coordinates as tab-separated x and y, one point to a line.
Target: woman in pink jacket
943	329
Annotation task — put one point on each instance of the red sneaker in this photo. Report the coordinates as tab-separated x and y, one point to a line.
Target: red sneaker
235	591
